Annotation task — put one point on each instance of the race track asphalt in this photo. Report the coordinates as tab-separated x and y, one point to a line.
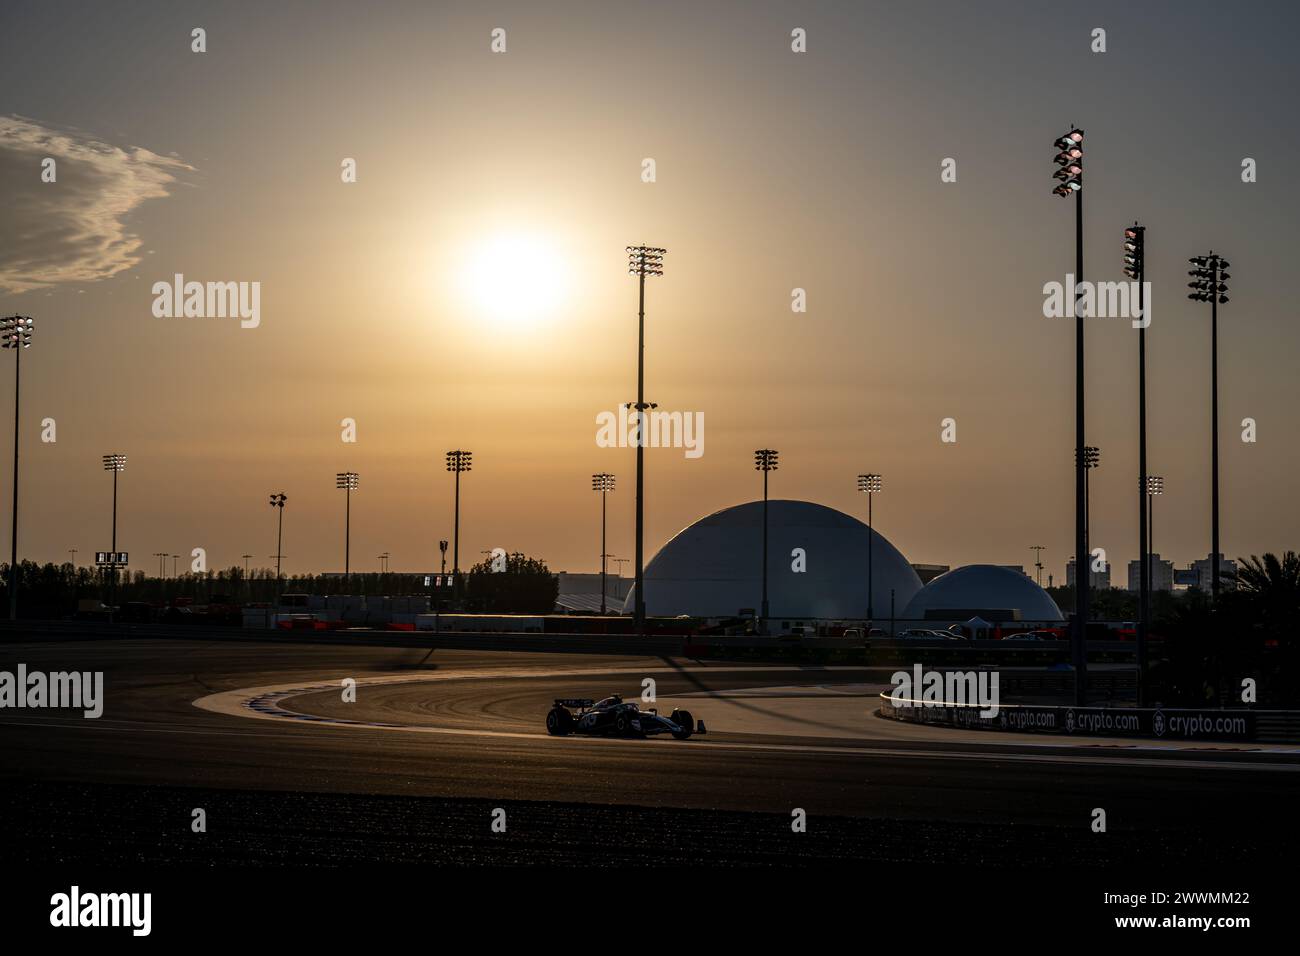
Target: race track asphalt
459	732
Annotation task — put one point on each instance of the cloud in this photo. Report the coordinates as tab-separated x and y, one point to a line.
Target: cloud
71	230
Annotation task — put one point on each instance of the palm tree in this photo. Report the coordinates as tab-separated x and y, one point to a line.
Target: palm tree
1272	580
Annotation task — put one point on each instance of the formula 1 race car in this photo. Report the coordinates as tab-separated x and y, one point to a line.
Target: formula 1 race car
611	717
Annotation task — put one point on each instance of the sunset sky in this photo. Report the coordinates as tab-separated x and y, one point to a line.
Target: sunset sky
470	290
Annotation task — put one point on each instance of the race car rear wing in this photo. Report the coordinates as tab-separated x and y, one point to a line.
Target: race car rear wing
581	702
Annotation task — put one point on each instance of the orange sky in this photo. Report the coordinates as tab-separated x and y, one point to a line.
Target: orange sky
774	171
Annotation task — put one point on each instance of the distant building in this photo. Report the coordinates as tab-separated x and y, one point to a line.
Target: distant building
1162	574
589	583
580	593
1204	570
1096	579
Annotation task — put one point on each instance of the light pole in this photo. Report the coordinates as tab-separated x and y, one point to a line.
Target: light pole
1155	485
442	546
1038	550
383	563
870	485
643	262
457	461
620	562
277	502
73	552
175	558
115	464
1135	269
603	483
1069	160
347	480
16	331
765	460
162	564
1209	284
1091	459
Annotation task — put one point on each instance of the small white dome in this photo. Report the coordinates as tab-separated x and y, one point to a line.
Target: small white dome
984	590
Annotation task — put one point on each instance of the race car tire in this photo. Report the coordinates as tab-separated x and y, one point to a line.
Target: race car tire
623	725
684	720
559	722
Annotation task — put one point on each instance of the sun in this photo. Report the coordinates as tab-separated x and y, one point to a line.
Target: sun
515	277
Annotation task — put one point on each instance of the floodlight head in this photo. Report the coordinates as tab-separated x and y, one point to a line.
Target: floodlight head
645	260
277	501
765	459
16	332
346	479
459	460
602	482
870	484
114	462
1155	485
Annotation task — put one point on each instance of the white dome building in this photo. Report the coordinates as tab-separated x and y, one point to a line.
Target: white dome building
982	590
713	568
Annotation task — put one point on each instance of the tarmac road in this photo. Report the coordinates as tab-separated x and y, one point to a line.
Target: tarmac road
466	728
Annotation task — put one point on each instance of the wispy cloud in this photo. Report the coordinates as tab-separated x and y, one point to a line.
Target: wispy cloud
71	230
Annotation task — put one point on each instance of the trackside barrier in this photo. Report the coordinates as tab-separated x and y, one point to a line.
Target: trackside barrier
1162	723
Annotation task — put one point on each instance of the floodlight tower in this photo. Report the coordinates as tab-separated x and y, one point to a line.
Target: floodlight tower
16	332
1155	485
1069	173
1135	269
115	464
1038	550
458	461
1209	284
643	262
765	460
347	480
870	485
1091	459
277	502
603	483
